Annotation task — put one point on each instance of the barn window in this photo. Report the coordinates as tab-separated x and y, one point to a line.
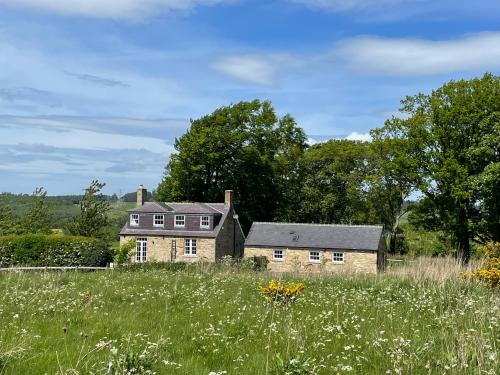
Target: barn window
338	257
313	256
278	255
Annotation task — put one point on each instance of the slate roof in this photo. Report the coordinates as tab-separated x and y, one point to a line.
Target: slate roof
181	208
153	207
317	236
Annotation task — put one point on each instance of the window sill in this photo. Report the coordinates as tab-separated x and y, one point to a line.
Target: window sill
336	262
158	226
190	256
278	260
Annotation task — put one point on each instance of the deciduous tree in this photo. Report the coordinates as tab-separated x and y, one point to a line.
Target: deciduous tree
93	218
244	147
39	216
454	133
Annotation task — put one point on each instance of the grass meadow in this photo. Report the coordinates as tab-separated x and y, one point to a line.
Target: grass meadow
415	319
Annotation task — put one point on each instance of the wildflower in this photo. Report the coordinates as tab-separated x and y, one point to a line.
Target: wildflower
277	292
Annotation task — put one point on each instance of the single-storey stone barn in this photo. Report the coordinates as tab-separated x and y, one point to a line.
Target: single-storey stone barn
183	232
291	247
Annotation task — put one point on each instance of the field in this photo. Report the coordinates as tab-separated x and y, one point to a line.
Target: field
409	321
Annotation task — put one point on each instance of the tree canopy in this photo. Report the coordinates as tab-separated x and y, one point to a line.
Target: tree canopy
245	147
453	135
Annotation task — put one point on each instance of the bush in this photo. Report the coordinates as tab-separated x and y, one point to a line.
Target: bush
53	251
489	272
124	252
281	293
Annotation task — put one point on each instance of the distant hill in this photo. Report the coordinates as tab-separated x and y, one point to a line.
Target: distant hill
64	207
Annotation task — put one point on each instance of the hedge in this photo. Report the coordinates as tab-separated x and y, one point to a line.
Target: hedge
33	250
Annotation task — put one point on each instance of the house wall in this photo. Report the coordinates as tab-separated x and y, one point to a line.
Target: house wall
297	260
226	245
159	249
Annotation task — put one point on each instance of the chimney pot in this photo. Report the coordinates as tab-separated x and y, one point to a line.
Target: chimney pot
142	194
228	198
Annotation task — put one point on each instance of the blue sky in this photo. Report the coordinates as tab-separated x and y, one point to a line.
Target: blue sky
101	88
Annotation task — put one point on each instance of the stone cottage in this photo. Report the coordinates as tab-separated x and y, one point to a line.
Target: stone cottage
185	232
291	247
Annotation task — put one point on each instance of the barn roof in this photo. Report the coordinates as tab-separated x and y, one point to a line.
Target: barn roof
317	236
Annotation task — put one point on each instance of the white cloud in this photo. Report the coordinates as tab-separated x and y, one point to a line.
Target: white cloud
258	69
355	136
248	68
421	57
115	9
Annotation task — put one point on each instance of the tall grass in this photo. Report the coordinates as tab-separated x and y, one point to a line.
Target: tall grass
429	268
412	320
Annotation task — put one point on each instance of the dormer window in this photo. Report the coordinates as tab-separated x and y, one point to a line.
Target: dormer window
179	221
159	220
134	220
205	222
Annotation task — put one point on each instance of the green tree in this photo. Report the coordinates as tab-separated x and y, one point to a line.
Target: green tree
92	220
453	134
243	147
8	222
334	185
392	177
289	172
39	217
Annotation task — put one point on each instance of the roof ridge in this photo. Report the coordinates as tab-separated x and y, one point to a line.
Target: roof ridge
212	207
319	224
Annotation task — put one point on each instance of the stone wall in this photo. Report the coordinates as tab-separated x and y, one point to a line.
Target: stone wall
159	249
297	260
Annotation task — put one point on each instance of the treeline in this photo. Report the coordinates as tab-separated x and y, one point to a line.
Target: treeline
38	214
444	147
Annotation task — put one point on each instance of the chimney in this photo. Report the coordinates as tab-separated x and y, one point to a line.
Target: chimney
228	198
142	194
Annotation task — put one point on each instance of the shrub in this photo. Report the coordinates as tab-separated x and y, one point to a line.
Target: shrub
489	272
53	251
124	252
277	292
260	263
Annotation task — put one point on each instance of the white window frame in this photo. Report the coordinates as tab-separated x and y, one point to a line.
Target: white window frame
133	222
141	249
281	256
159	218
183	221
338	257
205	226
311	256
190	247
